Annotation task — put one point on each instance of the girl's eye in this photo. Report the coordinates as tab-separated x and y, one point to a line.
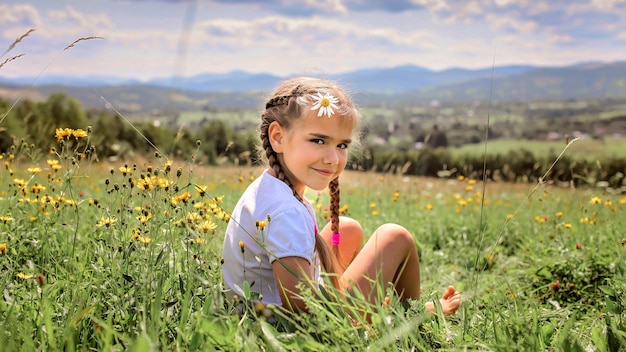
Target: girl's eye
318	141
343	146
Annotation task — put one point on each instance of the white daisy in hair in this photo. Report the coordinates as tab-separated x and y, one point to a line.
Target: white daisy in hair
325	103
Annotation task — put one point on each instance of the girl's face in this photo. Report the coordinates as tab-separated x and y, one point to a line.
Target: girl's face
314	150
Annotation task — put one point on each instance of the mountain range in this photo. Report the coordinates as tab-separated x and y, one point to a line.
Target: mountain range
407	84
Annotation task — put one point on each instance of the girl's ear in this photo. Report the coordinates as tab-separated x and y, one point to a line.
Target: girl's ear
276	134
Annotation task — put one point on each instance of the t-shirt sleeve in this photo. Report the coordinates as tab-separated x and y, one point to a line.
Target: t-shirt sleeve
290	234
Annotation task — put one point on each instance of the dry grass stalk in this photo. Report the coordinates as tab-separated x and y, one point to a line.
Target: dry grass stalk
80	40
10	59
17	41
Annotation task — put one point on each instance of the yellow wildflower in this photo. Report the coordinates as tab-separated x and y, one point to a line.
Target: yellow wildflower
586	220
260	224
54	164
37	188
19	182
200	241
222	215
3	247
79	133
162	182
183	197
343	209
144	217
125	170
34	170
61	133
429	207
24	276
558	214
145	184
136	234
193	217
144	240
108	221
6	218
201	190
207	226
595	200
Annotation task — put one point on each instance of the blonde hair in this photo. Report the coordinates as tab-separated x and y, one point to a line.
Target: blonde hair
290	101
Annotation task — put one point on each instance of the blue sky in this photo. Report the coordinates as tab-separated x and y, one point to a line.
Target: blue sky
159	38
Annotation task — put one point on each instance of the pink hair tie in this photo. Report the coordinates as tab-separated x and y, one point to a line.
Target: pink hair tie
335	238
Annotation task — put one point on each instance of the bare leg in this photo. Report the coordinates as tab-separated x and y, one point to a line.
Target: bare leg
350	243
390	256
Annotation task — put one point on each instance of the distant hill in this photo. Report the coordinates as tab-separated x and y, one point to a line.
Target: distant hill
584	81
397	85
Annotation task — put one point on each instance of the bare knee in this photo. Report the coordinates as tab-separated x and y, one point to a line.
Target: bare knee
350	227
399	234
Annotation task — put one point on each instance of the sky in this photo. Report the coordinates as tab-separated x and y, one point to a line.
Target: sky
144	39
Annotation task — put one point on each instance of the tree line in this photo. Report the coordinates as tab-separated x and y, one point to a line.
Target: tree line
215	143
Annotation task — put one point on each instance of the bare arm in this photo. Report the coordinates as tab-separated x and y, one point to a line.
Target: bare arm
288	283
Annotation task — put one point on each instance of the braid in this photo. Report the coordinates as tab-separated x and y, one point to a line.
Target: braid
272	158
278	101
333	189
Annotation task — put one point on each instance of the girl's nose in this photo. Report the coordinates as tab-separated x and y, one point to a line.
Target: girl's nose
331	156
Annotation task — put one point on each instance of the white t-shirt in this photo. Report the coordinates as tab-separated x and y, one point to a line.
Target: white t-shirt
289	233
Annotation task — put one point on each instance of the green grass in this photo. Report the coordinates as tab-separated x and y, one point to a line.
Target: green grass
589	149
113	258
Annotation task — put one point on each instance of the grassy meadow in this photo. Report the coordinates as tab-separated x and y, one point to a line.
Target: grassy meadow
126	256
581	149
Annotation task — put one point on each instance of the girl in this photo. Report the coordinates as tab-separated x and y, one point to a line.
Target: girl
272	240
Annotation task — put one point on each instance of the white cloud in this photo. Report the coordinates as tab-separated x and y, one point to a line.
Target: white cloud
606	4
499	22
22	15
326	5
435	33
72	17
